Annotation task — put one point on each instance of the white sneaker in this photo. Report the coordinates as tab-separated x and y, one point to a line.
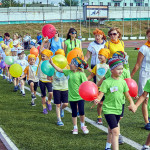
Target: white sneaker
75	131
85	130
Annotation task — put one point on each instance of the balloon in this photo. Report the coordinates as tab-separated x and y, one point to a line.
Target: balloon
59	74
74	53
48	30
1	42
77	48
132	85
60	61
88	90
15	70
60	51
34	51
11	44
2	64
47	68
39	47
9	60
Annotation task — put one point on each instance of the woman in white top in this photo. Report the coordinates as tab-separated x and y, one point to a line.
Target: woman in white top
143	62
94	48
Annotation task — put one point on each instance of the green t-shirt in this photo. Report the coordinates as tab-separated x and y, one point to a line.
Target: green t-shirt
71	45
147	89
114	95
125	74
74	81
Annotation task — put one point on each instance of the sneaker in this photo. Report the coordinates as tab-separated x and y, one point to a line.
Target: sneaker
33	104
33	96
145	148
121	139
107	148
10	80
45	111
75	131
85	130
147	126
99	121
49	106
62	113
4	77
23	94
60	123
15	88
1	71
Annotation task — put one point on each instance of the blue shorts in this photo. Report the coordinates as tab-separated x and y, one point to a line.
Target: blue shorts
60	96
43	86
35	84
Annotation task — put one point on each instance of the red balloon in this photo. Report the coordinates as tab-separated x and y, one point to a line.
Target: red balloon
38	47
132	85
49	31
88	90
34	51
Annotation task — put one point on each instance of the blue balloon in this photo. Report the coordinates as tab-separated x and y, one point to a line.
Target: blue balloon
2	64
47	68
101	71
59	74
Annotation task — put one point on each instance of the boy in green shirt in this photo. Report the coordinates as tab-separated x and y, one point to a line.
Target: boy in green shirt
114	89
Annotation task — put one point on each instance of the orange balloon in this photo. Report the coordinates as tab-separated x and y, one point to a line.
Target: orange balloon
77	48
34	51
74	53
60	52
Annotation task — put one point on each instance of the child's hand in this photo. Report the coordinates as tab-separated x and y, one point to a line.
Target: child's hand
50	61
96	101
19	78
136	98
50	78
45	39
132	108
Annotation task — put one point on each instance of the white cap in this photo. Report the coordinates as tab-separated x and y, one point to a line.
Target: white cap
15	42
20	48
19	51
14	49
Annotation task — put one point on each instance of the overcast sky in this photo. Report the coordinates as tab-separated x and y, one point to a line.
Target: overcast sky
43	1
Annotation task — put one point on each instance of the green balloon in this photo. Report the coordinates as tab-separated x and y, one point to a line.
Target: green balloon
9	60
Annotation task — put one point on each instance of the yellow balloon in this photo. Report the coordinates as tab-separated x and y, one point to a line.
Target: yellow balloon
15	70
11	44
1	42
60	61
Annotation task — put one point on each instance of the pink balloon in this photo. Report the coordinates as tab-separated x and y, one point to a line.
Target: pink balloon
133	87
88	90
49	31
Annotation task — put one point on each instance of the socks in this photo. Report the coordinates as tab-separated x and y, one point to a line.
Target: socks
108	145
75	127
58	119
44	106
82	124
49	101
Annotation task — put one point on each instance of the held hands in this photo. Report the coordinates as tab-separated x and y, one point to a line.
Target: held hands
45	39
132	107
50	78
96	101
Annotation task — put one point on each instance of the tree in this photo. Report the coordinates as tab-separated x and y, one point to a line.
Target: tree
10	3
73	3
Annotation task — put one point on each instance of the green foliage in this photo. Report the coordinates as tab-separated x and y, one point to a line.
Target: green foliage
73	3
10	3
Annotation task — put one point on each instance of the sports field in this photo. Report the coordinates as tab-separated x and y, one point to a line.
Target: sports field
29	129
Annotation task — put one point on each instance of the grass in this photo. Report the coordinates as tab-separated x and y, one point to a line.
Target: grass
29	129
63	28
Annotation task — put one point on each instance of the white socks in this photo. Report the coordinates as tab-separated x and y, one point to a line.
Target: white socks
82	124
108	145
75	127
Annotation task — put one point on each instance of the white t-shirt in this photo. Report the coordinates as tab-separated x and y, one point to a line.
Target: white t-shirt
23	63
145	50
15	59
94	49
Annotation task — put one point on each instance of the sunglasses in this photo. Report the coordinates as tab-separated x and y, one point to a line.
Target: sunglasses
113	34
74	32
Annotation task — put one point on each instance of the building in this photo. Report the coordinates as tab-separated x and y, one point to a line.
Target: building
116	3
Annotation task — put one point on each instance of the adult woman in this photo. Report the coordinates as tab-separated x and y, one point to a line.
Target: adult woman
71	41
143	62
114	44
56	43
94	47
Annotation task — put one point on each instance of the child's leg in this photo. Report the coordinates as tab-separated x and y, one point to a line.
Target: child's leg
58	112
82	116
50	95
22	87
145	111
115	136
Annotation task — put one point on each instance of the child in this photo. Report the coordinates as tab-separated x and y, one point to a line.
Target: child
99	71
126	74
138	103
60	91
23	63
44	82
30	72
76	77
114	89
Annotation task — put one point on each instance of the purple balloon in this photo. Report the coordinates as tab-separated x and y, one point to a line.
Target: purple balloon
2	64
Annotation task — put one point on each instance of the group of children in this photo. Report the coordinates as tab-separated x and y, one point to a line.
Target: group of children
64	86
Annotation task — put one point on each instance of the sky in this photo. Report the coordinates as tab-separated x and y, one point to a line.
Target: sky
43	1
